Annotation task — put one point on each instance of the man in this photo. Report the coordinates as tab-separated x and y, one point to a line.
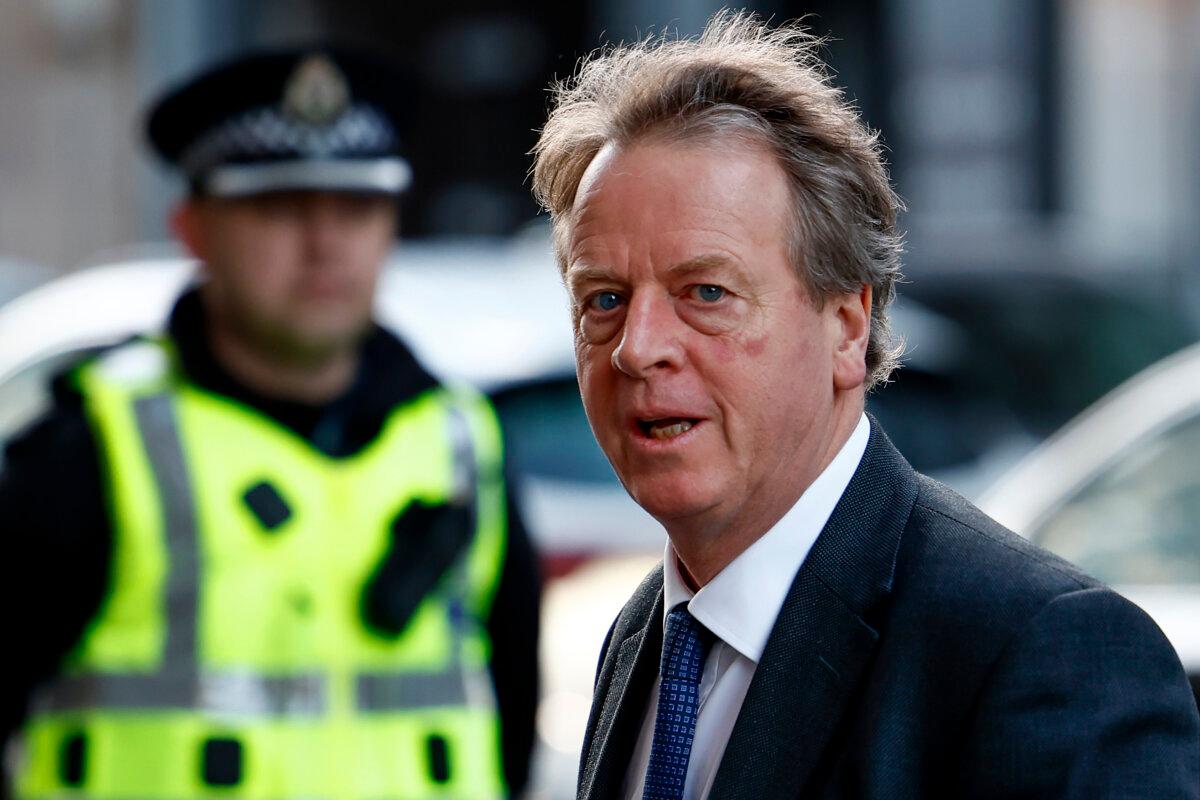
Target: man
826	622
278	552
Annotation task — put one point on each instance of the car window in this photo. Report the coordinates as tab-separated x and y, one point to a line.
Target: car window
1048	346
1137	522
546	433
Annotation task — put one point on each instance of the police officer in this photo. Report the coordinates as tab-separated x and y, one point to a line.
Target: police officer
265	553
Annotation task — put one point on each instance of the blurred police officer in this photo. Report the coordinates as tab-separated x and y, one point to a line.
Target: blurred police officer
266	553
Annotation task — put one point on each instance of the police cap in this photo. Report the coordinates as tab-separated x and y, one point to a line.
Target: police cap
314	118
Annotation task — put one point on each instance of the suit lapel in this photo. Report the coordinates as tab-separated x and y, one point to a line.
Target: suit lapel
627	675
822	640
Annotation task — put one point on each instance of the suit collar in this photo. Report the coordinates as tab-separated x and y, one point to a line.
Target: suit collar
628	672
822	641
855	555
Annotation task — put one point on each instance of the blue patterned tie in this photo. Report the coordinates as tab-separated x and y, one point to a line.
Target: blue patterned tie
685	644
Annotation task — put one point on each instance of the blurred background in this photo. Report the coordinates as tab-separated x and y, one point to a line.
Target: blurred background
1048	153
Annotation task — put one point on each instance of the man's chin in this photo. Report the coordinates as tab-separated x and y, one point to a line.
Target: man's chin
674	502
317	345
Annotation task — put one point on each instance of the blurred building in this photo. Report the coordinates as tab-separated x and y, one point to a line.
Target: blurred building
1033	132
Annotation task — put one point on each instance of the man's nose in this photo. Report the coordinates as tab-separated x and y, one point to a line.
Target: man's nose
323	230
650	337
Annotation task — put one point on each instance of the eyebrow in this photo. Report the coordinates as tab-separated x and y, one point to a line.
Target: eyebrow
583	274
704	263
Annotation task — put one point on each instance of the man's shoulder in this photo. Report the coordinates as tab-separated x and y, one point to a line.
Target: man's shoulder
980	596
959	536
965	578
59	421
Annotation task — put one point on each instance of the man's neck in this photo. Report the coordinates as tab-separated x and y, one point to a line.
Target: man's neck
706	545
313	381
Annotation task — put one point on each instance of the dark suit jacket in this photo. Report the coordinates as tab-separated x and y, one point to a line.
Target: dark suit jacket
924	651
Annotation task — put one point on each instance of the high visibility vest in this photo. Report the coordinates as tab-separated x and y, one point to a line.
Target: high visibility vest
230	657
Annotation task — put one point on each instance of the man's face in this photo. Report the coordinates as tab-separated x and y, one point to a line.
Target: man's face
291	273
714	385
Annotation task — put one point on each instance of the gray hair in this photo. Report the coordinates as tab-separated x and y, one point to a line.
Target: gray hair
744	80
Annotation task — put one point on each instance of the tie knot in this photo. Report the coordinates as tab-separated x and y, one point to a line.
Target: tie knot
685	645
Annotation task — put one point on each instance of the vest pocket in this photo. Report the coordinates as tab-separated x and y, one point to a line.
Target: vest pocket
267	505
72	764
221	761
438	751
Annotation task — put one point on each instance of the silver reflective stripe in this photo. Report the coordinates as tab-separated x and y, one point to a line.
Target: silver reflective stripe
221	693
259	695
476	686
127	692
305	695
406	690
157	424
462	445
479	689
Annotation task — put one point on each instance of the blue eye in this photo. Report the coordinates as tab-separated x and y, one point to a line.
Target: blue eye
709	293
605	301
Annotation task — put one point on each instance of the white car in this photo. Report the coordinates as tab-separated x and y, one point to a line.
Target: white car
1117	492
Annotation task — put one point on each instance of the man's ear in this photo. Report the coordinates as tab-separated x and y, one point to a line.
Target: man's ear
852	312
188	227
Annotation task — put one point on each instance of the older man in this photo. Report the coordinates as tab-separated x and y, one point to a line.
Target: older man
826	622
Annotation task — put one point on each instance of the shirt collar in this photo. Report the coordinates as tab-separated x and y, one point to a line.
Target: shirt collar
740	604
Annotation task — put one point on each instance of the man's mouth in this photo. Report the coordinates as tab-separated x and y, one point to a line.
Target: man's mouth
666	427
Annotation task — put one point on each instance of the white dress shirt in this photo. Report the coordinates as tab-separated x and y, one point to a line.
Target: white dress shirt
739	606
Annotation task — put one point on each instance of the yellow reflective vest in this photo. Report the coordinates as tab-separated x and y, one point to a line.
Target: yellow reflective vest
230	657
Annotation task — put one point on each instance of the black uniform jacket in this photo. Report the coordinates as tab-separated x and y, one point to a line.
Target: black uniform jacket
923	651
57	535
